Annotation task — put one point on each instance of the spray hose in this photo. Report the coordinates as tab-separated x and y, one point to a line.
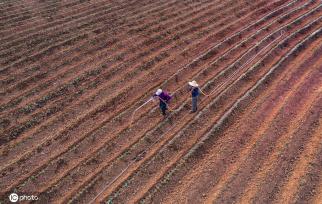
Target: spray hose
247	62
132	116
150	99
220	85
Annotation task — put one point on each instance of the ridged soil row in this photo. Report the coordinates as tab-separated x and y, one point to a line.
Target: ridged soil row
67	11
36	44
304	165
310	184
277	165
98	73
28	7
111	52
99	183
123	21
89	10
287	156
16	132
205	144
284	125
28	14
124	134
78	67
129	19
210	176
14	21
318	197
43	44
41	14
5	12
5	5
87	29
224	154
41	40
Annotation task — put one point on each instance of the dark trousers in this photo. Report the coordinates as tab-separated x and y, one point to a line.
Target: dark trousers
163	107
194	103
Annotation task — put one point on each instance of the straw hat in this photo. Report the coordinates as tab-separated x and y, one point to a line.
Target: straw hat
158	92
193	83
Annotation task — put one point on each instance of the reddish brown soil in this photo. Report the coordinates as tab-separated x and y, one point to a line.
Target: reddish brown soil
73	72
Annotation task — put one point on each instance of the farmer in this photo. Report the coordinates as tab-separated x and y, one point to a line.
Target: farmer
164	98
195	91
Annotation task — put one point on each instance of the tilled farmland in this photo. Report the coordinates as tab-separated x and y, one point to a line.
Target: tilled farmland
75	76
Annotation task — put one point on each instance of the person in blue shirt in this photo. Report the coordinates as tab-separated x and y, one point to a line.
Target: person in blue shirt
195	92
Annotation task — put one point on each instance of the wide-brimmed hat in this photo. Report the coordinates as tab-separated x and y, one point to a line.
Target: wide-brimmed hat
158	92
193	83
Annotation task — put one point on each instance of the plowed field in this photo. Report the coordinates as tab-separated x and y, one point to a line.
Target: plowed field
73	74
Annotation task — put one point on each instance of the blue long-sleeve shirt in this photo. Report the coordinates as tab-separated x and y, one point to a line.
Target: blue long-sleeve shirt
195	92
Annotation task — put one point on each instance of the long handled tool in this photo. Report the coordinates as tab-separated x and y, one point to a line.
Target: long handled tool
170	109
132	117
150	99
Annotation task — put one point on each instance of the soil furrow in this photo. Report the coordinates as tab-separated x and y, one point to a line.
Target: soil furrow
27	6
123	53
79	123
45	40
127	133
73	39
116	58
9	8
289	154
51	97
200	149
28	14
209	170
311	181
165	157
94	10
47	12
268	171
72	81
88	27
263	148
291	186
